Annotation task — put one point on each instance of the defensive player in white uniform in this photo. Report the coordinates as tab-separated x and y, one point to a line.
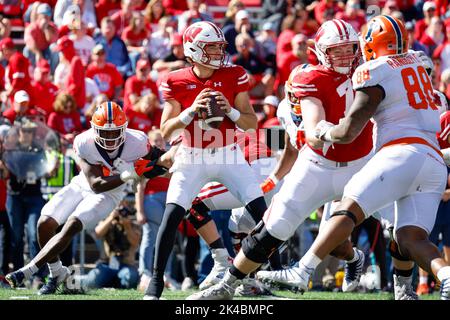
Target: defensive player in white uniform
319	174
395	90
109	154
206	154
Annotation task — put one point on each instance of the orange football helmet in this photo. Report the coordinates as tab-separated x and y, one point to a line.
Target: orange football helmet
385	36
289	89
109	123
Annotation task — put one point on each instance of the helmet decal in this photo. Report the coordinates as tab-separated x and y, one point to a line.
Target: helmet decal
398	33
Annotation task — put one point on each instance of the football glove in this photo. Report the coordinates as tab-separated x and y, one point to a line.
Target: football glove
155	171
132	171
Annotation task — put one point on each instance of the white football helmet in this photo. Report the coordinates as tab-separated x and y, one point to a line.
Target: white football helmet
334	33
195	40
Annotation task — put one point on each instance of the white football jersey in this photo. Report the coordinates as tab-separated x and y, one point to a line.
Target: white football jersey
136	146
408	108
296	133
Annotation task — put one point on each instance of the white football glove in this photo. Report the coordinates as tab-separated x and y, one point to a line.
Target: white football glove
322	131
126	169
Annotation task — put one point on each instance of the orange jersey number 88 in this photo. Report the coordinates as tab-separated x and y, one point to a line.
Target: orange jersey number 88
419	97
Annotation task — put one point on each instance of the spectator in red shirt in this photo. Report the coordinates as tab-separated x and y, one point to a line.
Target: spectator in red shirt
105	8
18	69
145	114
105	74
429	9
135	34
44	91
175	7
353	14
433	35
138	85
40	34
297	56
122	18
270	106
153	12
75	84
65	118
325	5
21	107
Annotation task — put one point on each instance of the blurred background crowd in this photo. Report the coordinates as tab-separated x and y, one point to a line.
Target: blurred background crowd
59	59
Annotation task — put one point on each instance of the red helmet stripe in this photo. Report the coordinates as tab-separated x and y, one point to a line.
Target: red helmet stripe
341	34
345	28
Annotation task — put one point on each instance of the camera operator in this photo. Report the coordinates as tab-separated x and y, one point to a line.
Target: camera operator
121	238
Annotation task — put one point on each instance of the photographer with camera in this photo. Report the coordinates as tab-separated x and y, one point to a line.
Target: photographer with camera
121	238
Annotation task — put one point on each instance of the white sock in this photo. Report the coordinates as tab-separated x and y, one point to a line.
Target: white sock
355	256
29	270
310	261
55	268
443	273
423	279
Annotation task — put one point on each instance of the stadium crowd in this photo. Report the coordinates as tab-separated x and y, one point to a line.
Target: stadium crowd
75	54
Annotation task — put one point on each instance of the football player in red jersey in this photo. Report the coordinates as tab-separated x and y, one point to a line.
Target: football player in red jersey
319	173
206	154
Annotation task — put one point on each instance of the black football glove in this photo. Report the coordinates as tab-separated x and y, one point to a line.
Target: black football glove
156	170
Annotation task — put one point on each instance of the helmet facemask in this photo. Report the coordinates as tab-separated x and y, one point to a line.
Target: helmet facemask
294	104
212	60
109	138
342	62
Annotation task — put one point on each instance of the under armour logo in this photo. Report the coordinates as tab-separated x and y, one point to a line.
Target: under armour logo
217	84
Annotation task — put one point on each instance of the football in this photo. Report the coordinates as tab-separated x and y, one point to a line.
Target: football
213	115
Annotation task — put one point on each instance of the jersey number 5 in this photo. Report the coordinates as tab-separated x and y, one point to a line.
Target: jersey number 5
418	88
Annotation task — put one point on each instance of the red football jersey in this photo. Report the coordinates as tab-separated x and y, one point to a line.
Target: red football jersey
336	93
184	86
253	146
445	130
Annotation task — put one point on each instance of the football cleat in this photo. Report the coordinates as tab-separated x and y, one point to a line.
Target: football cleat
353	272
55	284
403	289
219	291
251	287
222	261
15	279
294	279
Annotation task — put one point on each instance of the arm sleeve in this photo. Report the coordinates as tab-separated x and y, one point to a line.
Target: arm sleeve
167	89
242	80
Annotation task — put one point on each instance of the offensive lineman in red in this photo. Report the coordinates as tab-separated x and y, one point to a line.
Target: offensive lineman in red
206	154
320	171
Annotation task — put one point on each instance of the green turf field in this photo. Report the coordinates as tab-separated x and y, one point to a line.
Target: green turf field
112	294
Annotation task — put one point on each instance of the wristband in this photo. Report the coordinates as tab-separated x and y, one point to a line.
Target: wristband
186	116
274	179
234	114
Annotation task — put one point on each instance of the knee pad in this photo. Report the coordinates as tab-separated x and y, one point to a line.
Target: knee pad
395	252
256	208
345	213
198	216
259	245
